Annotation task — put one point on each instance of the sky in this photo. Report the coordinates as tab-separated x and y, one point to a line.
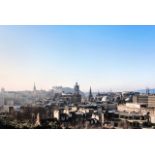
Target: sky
107	58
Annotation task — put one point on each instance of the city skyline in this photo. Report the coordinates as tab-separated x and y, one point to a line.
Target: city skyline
104	57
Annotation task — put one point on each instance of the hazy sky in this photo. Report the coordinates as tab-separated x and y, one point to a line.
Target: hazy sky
105	57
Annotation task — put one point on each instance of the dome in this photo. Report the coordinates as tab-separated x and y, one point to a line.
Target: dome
105	99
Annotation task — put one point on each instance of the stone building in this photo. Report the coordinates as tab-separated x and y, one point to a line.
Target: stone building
148	99
72	98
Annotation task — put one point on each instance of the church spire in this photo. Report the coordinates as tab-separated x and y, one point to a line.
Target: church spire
90	95
34	88
90	92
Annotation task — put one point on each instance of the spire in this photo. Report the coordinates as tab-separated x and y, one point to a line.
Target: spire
90	92
34	88
90	95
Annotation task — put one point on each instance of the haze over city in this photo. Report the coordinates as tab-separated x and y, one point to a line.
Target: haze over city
105	57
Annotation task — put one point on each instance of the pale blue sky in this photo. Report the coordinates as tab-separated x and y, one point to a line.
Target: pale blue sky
105	57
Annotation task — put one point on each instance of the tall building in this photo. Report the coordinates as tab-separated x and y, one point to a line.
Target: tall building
90	95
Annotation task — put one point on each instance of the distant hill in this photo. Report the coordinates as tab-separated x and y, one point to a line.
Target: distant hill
143	91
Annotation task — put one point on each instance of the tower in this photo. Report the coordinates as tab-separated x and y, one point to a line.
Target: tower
76	97
90	95
76	89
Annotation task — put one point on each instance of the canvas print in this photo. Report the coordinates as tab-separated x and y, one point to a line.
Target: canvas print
77	77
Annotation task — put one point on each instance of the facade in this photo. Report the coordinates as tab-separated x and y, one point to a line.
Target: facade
148	99
134	109
141	99
151	101
71	98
